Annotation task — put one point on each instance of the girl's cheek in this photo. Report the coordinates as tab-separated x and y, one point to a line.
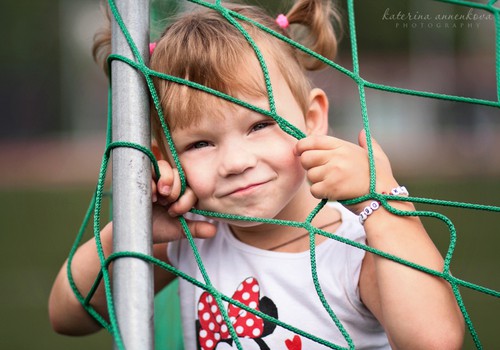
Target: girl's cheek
198	180
200	191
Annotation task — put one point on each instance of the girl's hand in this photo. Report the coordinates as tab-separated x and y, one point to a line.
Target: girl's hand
339	170
168	204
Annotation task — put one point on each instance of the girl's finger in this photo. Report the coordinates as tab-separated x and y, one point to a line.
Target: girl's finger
166	179
314	158
154	196
183	204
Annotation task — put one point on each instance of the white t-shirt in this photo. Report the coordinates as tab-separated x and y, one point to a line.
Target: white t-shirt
279	284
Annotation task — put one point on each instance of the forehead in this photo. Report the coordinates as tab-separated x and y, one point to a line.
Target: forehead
246	82
214	118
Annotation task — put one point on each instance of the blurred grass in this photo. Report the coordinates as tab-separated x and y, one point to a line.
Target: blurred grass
38	227
476	253
37	230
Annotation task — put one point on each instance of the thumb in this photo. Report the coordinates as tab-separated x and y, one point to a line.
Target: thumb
363	142
202	229
377	150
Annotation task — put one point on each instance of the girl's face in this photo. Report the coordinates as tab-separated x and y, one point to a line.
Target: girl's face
240	162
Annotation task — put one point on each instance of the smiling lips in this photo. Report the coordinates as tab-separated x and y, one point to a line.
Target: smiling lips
246	189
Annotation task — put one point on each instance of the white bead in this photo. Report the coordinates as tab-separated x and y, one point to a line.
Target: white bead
362	217
400	191
368	210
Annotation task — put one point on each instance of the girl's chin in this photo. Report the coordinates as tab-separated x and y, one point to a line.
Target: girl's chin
241	223
231	217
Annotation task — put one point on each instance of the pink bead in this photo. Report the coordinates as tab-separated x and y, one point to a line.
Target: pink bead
152	47
282	21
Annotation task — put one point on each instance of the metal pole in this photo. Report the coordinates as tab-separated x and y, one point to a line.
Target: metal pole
133	290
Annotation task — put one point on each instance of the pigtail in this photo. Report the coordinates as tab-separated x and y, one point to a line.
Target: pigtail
313	28
101	48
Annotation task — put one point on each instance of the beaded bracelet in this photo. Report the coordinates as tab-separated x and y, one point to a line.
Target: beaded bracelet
400	191
369	209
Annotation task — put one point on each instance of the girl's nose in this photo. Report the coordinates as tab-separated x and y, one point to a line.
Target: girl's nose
236	159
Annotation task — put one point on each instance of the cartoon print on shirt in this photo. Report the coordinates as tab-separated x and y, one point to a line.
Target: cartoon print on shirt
212	330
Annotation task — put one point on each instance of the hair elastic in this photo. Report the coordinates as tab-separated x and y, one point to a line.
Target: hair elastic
152	47
282	21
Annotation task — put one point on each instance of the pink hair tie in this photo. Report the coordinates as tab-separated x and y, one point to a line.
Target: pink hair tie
282	21
151	48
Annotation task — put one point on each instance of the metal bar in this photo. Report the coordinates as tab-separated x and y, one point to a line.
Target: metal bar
133	289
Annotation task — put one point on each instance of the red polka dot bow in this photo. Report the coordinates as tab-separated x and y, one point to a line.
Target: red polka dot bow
247	325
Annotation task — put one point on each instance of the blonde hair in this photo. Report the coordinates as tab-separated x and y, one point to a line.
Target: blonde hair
203	47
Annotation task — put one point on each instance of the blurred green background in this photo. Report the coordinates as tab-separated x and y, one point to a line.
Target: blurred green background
53	116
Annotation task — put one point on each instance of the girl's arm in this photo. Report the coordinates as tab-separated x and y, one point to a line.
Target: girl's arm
66	314
417	310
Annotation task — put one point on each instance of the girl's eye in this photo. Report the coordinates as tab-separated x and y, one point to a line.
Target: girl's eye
261	125
198	145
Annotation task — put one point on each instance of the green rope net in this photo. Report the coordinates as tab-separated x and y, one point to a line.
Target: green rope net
139	65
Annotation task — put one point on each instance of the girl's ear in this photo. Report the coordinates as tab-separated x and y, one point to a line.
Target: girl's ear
317	113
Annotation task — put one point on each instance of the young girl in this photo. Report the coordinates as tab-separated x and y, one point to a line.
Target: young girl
238	161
